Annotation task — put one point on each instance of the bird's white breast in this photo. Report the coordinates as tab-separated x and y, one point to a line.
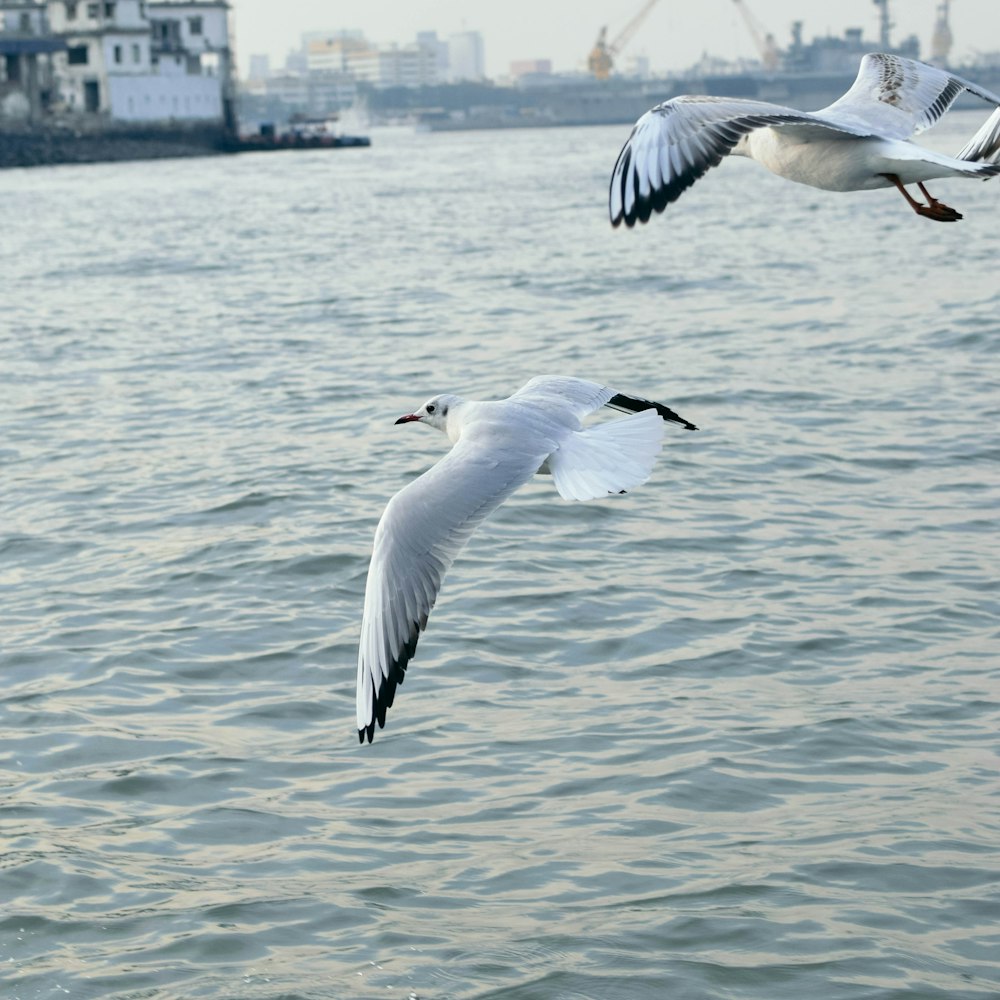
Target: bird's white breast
837	164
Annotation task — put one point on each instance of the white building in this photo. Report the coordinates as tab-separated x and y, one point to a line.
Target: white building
104	39
135	60
409	66
27	46
260	66
326	51
465	56
430	40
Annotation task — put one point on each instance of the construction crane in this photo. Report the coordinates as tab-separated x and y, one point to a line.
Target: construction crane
767	48
601	60
942	39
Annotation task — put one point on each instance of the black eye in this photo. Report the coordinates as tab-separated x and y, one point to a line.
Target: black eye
430	407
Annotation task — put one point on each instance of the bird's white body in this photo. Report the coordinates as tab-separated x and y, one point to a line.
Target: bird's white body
842	164
858	143
497	447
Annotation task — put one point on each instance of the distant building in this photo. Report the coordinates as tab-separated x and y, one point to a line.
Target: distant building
530	67
315	81
409	66
295	61
282	94
260	66
330	92
143	61
27	46
324	75
638	66
327	52
465	56
108	45
430	41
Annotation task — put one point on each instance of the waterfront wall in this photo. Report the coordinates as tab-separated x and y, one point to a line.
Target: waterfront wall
22	146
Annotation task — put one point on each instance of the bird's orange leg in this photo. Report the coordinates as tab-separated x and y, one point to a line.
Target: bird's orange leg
935	209
938	205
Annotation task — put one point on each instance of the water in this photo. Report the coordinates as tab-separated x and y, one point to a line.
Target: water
732	736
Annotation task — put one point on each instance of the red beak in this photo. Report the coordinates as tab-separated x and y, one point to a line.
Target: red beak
407	418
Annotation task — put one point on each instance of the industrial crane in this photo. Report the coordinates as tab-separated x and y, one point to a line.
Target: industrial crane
762	38
602	57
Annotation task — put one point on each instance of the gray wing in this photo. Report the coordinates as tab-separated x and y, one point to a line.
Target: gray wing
564	394
984	146
675	143
897	97
423	528
581	397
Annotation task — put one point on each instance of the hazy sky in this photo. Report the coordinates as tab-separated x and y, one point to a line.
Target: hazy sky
673	36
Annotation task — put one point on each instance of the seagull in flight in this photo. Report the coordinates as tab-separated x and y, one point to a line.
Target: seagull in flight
497	446
858	143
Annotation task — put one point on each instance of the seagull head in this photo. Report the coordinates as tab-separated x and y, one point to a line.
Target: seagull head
434	412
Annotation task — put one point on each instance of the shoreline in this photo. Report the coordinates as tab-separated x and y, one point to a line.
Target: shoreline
48	145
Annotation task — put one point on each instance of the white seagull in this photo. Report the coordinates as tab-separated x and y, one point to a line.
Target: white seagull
858	143
498	446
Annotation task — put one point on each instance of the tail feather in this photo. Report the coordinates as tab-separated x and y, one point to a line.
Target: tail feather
612	457
984	146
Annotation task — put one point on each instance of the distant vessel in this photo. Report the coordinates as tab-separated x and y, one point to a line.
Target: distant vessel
805	75
810	75
302	133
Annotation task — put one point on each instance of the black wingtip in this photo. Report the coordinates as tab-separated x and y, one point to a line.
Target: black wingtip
387	692
636	405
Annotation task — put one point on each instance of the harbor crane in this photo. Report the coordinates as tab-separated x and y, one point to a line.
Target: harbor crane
767	48
601	60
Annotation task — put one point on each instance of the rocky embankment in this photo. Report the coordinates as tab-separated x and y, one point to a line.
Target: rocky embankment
22	146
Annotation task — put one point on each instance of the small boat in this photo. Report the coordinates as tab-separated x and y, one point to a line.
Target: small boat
302	133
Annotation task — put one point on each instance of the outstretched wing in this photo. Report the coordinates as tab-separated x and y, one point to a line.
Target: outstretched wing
581	397
423	528
677	142
898	97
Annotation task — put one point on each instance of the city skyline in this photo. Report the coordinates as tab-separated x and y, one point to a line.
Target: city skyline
671	37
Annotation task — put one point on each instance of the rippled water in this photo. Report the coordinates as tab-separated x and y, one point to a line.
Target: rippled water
732	736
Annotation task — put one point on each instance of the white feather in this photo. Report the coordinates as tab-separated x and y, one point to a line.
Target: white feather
614	457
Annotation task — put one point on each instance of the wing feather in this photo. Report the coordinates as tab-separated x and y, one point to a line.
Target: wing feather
423	528
675	143
554	392
984	146
900	97
612	457
561	394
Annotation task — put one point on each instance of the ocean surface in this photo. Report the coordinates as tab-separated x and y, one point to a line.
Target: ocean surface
733	736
